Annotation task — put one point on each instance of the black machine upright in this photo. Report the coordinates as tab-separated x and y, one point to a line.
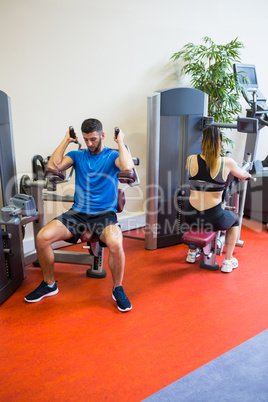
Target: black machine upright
174	132
11	251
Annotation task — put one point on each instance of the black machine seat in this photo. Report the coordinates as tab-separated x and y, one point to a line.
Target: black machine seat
206	241
198	238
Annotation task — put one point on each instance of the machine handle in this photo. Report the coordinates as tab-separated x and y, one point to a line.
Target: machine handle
72	133
116	131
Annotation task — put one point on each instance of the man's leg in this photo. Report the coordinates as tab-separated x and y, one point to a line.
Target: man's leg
112	237
50	233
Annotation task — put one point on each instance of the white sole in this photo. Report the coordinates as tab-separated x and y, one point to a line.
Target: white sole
40	298
227	271
192	261
123	311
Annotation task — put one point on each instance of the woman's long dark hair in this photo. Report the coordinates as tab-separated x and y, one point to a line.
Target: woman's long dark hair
211	145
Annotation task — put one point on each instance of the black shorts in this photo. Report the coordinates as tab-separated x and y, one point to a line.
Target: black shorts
214	218
79	222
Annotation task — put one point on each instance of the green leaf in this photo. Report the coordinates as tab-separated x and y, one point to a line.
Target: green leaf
210	67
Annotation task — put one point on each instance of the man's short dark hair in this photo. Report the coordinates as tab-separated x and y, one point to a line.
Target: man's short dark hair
91	125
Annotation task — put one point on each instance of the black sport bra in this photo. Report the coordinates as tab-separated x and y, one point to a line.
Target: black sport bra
203	181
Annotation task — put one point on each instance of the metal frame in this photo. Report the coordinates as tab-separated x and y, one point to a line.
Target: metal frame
174	130
11	246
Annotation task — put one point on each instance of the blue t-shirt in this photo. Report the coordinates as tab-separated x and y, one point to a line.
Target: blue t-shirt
96	183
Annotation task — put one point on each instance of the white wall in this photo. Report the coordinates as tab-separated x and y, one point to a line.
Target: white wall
66	60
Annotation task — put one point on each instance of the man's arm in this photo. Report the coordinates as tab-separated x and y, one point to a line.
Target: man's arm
124	161
57	160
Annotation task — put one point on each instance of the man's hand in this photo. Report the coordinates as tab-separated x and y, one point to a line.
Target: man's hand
119	137
124	161
69	138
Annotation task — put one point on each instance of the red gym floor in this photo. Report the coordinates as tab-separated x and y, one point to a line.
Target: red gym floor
76	346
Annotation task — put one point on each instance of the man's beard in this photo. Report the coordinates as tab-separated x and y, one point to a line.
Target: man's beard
97	148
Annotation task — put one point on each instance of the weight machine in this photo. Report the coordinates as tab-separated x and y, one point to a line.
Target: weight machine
176	119
48	179
19	208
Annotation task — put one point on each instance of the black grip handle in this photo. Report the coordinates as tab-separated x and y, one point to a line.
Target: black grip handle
72	133
116	131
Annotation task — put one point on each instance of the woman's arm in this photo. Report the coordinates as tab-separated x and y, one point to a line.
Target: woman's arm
235	170
187	163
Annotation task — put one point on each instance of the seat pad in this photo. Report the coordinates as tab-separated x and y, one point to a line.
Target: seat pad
198	237
89	237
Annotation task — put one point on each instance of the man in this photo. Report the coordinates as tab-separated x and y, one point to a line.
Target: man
95	203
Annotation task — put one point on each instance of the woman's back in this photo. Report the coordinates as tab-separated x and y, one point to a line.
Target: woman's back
206	184
207	177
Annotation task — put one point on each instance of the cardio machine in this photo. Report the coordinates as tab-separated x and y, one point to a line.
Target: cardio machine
256	204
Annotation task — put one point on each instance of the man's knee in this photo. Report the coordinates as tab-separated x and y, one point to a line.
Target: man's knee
112	237
115	246
43	238
52	232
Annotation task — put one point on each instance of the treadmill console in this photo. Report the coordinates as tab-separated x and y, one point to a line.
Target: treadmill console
246	76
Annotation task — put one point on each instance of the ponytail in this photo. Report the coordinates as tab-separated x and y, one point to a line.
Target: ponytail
211	145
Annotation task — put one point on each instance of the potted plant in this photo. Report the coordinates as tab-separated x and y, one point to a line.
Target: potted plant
211	69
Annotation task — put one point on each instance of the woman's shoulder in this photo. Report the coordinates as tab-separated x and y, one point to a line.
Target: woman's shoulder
191	156
229	164
229	161
189	160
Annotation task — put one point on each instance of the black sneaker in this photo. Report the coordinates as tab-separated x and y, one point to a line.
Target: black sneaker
123	304
43	290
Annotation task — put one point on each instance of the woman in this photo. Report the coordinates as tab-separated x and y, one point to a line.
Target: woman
208	173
